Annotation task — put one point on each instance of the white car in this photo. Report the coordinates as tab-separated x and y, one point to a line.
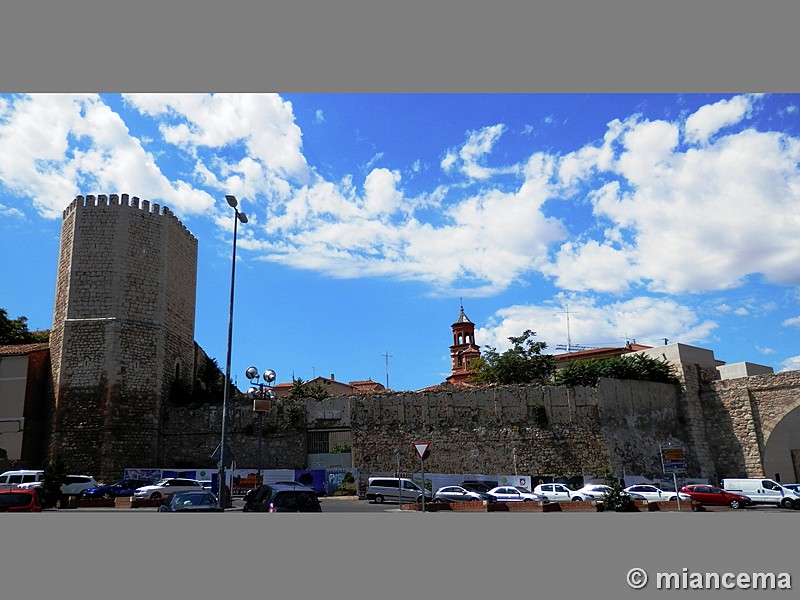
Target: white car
510	493
165	487
651	493
595	491
72	486
558	492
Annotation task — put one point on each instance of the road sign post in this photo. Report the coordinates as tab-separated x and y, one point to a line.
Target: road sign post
423	450
673	460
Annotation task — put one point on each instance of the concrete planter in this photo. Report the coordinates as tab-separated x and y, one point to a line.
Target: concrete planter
95	502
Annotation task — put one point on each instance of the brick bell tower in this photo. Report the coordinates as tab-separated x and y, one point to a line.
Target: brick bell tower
463	350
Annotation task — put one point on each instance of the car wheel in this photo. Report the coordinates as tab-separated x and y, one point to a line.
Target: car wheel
735	503
155	496
527	500
438	501
787	503
673	498
378	499
577	499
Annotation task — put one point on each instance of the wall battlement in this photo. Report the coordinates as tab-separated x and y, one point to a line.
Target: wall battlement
134	202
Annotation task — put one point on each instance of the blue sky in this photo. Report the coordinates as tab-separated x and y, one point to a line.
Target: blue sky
373	216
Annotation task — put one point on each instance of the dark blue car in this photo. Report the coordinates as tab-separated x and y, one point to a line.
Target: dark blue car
124	487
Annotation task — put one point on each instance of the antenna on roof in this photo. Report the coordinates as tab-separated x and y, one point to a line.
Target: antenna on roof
569	339
387	356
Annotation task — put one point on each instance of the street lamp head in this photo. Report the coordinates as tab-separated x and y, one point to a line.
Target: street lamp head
232	201
253	391
269	375
251	373
241	216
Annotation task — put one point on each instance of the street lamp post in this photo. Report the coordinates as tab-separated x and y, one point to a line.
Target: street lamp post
262	396
222	487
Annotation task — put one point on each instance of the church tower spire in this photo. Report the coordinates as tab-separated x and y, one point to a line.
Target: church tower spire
463	350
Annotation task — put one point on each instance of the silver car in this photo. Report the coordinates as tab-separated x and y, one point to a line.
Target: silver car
651	493
511	493
165	487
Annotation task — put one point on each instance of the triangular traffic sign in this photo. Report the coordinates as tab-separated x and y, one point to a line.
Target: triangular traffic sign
423	450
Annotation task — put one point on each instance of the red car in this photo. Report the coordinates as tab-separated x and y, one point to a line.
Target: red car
19	500
714	496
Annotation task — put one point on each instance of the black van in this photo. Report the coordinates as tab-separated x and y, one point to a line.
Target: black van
276	497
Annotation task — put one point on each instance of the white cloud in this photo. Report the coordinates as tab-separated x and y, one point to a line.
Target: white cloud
791	364
644	319
710	118
264	123
793	322
56	147
320	118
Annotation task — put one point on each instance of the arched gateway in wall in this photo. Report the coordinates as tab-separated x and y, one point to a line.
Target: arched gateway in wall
764	426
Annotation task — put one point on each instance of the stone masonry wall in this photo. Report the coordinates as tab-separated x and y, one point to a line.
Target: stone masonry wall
191	434
740	414
123	329
544	430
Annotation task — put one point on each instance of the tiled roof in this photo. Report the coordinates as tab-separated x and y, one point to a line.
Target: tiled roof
22	349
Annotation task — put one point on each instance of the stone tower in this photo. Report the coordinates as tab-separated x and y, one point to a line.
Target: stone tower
463	349
123	331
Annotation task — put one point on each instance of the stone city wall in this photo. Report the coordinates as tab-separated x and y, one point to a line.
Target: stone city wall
740	414
540	430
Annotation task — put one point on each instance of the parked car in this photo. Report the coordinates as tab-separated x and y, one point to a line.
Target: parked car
195	501
11	479
123	487
478	485
713	496
511	493
652	493
168	486
19	500
763	491
595	491
558	492
395	489
276	497
795	487
457	493
73	484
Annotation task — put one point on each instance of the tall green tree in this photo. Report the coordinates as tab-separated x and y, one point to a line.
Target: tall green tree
522	363
15	331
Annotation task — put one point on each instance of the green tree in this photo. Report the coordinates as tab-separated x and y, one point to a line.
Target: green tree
522	363
301	389
15	331
297	392
631	366
616	499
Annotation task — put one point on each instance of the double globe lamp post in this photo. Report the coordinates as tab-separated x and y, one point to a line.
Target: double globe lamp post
262	396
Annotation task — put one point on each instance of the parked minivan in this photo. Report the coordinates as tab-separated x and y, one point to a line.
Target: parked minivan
389	488
11	479
763	491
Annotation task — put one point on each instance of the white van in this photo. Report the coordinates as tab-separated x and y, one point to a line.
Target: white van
763	491
389	488
11	479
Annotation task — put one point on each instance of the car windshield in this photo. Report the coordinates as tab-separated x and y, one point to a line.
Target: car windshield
161	481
